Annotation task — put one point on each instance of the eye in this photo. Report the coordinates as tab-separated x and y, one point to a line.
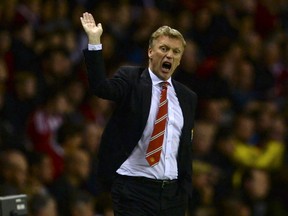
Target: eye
163	49
177	51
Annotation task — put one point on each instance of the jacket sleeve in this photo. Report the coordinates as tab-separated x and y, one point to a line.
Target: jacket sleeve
111	89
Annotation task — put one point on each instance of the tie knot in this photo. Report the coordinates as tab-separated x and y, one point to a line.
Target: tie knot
164	85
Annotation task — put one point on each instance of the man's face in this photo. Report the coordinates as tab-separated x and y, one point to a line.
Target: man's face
164	56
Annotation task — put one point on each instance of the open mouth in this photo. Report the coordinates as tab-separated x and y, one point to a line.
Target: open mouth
166	66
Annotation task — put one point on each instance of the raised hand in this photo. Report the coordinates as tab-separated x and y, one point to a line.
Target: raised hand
92	30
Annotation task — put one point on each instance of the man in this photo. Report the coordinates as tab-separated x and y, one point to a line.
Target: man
13	172
146	152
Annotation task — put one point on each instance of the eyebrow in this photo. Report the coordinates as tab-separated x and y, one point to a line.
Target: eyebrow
164	45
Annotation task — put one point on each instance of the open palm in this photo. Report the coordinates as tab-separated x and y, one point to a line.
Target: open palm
92	30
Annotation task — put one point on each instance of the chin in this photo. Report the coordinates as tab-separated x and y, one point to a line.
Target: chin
166	76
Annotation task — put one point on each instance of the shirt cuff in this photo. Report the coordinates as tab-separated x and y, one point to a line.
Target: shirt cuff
94	46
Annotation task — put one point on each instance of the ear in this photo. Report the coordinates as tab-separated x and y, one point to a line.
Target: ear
150	52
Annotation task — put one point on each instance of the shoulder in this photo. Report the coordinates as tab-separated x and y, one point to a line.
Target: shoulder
185	90
131	72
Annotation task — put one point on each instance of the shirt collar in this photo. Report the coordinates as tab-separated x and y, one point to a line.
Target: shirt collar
156	80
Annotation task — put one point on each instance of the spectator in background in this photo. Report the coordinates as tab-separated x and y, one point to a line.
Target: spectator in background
74	178
14	171
70	136
40	173
20	104
233	205
42	205
76	95
222	160
244	128
23	47
203	196
203	140
29	11
264	153
279	185
110	54
7	137
81	204
75	91
92	136
56	68
243	92
214	111
97	110
279	129
256	187
43	124
186	73
264	113
6	59
3	74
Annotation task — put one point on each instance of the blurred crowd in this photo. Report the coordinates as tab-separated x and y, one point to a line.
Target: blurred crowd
236	60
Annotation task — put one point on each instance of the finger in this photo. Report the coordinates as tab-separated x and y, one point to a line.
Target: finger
91	18
82	21
88	17
82	17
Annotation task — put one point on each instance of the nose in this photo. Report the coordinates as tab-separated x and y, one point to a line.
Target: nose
170	54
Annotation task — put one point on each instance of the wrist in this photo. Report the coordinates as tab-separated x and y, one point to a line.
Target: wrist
94	41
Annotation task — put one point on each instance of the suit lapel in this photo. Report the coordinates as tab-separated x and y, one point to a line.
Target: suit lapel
146	93
182	101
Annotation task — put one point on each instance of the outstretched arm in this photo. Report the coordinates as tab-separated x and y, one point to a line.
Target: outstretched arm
93	30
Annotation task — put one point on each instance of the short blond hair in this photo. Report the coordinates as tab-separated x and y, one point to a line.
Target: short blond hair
166	31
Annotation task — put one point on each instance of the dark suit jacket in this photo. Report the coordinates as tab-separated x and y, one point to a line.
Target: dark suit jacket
131	89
